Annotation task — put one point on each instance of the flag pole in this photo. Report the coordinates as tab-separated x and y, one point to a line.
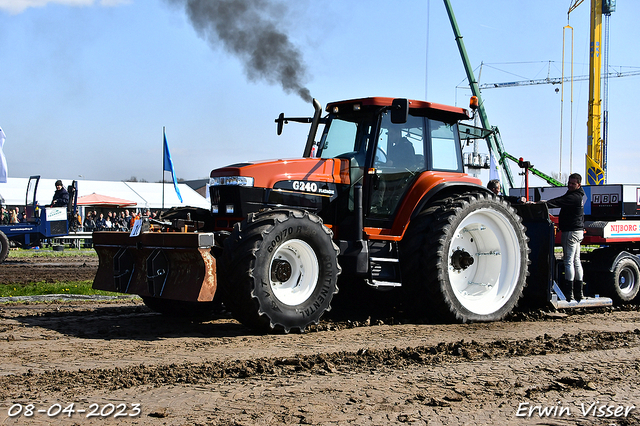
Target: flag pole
164	138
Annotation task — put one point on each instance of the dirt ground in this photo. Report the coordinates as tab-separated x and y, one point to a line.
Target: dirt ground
48	269
123	364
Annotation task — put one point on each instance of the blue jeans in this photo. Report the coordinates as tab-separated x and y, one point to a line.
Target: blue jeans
571	254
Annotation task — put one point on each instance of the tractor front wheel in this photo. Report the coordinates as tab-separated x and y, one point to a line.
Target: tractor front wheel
279	270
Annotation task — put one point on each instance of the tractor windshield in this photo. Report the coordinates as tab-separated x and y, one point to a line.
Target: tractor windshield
339	139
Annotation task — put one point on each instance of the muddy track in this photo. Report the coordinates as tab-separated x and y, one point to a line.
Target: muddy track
537	367
360	361
26	270
342	372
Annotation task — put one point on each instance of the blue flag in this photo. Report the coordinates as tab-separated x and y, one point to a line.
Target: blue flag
167	165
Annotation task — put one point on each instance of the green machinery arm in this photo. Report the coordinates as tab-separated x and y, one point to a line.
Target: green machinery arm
533	170
493	139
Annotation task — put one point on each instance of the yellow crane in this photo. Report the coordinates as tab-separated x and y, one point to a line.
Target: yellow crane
596	147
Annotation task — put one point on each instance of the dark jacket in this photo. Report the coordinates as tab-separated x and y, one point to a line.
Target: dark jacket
571	210
89	224
60	198
101	224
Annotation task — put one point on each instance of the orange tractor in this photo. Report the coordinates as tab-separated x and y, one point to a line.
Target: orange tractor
381	198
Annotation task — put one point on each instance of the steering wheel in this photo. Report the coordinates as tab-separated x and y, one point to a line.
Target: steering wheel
380	157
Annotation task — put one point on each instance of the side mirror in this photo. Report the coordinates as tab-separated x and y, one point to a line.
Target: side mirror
399	111
280	121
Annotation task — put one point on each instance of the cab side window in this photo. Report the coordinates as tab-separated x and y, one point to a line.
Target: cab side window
445	150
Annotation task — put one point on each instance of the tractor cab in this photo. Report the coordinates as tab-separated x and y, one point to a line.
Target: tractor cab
388	146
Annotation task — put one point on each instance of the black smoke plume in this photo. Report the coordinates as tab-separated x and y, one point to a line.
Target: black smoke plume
249	30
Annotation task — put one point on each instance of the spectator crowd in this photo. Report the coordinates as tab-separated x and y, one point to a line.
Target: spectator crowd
12	215
93	221
114	221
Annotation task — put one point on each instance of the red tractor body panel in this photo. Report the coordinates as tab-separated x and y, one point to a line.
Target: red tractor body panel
425	184
267	173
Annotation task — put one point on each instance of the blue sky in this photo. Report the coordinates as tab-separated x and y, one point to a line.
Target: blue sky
87	85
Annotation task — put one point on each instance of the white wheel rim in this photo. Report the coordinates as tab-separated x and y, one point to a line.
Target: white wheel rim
627	281
486	237
295	285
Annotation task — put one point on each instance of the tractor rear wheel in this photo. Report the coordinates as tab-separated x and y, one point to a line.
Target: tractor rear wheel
4	247
279	270
464	259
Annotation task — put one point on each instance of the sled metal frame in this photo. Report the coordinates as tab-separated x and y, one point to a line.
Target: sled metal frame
559	300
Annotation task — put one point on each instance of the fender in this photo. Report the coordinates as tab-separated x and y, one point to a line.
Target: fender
622	255
612	261
445	188
430	185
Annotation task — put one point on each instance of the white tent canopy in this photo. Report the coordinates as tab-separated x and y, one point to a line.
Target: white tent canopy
147	195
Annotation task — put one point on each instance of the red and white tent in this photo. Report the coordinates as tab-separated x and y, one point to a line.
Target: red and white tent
104	200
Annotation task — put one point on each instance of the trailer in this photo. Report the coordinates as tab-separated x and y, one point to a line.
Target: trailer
611	243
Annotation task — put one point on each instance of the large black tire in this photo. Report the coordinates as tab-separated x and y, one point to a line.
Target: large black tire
464	259
4	247
279	270
623	283
612	272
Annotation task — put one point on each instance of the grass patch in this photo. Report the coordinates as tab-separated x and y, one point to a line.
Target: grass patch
27	253
41	288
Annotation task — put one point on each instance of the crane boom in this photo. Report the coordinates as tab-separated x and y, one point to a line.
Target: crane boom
555	80
594	159
549	179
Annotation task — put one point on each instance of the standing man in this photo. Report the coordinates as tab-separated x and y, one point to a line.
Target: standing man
61	196
101	223
571	224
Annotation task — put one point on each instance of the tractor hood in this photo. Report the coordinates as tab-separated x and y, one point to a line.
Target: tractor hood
266	174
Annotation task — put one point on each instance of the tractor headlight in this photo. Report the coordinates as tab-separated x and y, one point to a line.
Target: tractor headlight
231	181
